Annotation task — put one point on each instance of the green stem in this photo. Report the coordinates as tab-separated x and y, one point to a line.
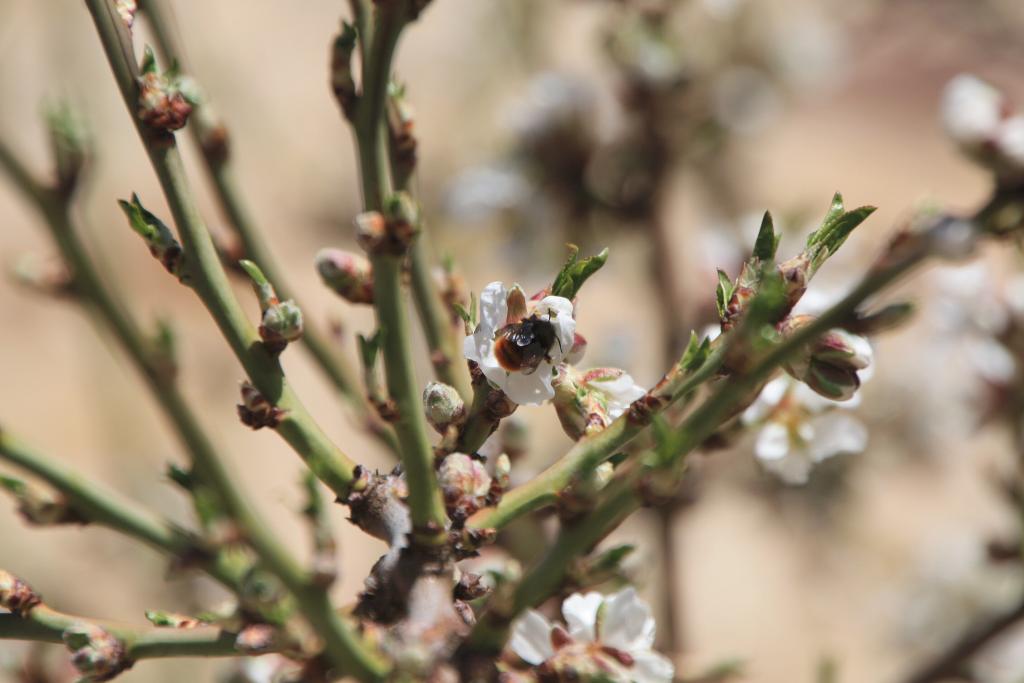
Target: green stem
46	625
106	508
425	503
210	139
342	645
207	276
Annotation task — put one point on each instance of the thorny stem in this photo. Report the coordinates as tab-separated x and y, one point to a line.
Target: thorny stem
342	645
207	276
210	138
105	508
425	503
46	625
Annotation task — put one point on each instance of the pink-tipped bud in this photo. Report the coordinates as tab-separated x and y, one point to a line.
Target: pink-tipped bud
465	485
349	275
829	364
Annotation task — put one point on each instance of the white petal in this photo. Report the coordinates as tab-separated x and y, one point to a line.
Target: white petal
766	401
651	667
991	360
558	310
971	110
620	392
837	434
580	613
772	442
493	308
528	389
531	637
794	469
1011	141
627	623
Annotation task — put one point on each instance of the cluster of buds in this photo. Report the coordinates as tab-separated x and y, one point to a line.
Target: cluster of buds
443	407
465	485
984	125
16	596
281	321
96	653
347	274
158	237
165	98
390	231
831	363
256	411
588	400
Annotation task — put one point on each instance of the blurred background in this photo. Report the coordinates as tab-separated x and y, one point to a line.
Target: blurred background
660	130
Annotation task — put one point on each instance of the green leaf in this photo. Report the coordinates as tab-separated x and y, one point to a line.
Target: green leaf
15	486
610	559
767	242
576	271
835	228
148	65
181	477
723	293
369	347
696	353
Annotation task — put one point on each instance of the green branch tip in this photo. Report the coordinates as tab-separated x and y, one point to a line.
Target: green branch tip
576	271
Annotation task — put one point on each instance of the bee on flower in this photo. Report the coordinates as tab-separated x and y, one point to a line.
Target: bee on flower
518	344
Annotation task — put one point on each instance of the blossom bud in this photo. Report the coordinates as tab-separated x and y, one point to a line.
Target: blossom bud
163	103
829	364
349	275
443	406
587	402
97	654
126	9
465	485
502	471
15	595
256	411
400	119
38	506
158	237
282	320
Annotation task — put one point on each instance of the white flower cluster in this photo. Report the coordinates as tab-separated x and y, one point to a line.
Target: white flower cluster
607	636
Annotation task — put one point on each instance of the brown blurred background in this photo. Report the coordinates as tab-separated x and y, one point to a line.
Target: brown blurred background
857	568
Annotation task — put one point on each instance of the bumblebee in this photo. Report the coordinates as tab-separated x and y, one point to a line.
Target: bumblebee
521	346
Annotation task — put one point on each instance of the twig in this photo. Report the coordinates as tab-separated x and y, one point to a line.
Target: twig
105	508
211	139
343	647
425	503
207	276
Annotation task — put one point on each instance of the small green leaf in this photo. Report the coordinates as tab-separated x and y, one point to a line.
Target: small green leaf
612	558
148	65
576	271
15	486
696	353
369	347
723	293
767	242
181	477
835	228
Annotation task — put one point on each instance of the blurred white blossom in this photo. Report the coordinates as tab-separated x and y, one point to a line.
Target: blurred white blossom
610	635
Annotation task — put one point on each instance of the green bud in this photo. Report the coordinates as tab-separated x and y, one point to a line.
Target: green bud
70	144
282	320
443	406
165	99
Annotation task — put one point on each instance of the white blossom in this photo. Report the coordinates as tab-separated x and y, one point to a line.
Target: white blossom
800	429
531	385
613	634
972	111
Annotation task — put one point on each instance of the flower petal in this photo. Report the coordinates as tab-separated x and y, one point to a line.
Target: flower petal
558	310
531	637
627	623
527	389
620	392
493	307
766	401
580	613
772	442
651	667
837	434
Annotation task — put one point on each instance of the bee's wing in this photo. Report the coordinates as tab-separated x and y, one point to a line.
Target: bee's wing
520	335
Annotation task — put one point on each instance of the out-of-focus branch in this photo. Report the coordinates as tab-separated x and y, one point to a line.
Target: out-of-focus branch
211	138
